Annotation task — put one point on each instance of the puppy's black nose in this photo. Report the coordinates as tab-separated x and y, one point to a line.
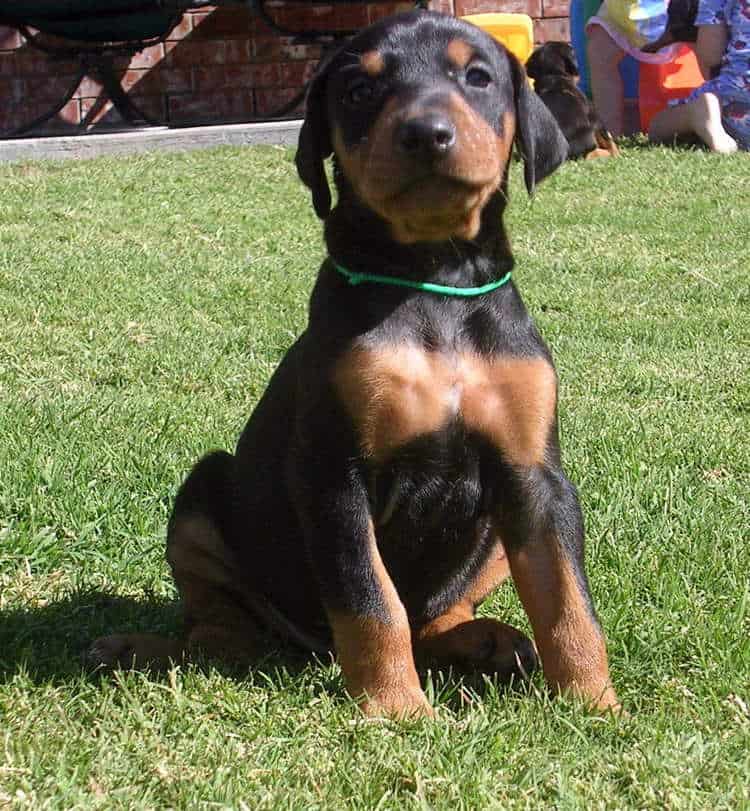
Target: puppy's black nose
429	136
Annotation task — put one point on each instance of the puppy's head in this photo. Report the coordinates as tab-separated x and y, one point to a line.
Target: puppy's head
553	59
421	112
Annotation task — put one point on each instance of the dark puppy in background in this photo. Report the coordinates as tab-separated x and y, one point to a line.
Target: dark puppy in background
404	459
554	69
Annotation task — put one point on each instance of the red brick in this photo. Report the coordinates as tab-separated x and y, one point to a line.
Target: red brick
175	80
208	51
190	53
208	78
147	58
268	102
555	8
182	29
226	23
144	82
267	74
46	89
289	49
237	76
248	76
100	104
442	6
239	106
64	121
105	112
70	113
153	105
349	16
552	29
58	66
531	7
12	93
220	106
379	11
32	62
8	64
308	17
89	87
238	51
9	120
182	109
266	48
10	38
296	74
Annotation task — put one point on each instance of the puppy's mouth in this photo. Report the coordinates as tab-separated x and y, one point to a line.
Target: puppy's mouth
436	207
446	187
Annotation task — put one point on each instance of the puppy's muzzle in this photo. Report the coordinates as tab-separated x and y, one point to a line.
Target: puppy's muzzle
427	137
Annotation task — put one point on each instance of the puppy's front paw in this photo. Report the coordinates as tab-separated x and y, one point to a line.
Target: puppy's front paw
399	702
480	646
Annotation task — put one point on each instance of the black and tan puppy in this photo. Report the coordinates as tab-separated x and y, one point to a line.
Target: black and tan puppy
404	458
554	69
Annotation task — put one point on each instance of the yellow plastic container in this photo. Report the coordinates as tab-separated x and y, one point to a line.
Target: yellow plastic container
515	31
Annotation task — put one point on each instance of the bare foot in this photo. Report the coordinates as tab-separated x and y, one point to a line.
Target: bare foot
706	115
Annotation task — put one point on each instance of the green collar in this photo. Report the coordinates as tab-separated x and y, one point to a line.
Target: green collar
440	289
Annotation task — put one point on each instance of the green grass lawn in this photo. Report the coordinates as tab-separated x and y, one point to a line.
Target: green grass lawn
144	303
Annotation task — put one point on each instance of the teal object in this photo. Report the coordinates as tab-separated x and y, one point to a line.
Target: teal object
95	20
355	278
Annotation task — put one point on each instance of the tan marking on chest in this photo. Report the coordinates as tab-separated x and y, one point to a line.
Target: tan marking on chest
397	394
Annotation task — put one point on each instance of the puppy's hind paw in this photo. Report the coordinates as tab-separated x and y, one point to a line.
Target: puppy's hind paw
133	652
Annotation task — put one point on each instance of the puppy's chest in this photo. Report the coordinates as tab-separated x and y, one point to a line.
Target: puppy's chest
397	393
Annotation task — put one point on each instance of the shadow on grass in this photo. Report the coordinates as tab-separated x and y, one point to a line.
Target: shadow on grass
681	143
49	643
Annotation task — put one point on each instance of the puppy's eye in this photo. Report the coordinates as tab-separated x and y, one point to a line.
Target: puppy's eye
359	92
478	77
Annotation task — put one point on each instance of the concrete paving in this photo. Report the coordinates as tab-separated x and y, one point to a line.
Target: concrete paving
127	142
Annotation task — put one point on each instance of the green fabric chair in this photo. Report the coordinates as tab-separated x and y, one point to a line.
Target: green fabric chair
96	20
94	32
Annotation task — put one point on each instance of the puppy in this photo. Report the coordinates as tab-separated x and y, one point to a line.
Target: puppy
404	460
554	69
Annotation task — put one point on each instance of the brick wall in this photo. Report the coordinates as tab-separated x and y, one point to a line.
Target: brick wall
217	65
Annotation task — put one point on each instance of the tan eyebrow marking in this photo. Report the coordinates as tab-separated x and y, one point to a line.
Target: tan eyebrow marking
372	63
459	52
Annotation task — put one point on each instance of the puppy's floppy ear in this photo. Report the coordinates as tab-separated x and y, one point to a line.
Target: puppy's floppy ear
314	144
540	141
533	64
570	61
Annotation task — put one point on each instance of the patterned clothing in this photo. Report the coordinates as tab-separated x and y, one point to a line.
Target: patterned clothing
633	23
732	85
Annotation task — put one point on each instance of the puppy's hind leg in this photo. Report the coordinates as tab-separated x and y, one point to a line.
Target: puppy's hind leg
217	623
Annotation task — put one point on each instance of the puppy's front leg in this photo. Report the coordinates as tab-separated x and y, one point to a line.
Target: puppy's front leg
545	551
369	622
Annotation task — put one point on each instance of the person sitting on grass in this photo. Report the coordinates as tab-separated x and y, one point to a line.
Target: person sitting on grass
718	112
618	28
